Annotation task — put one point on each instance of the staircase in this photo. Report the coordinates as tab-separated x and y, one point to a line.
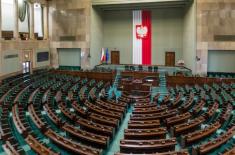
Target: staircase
117	79
162	89
115	85
162	85
162	80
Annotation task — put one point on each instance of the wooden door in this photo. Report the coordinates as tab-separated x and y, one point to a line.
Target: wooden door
170	59
115	57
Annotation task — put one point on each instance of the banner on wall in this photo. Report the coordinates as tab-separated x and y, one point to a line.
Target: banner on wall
142	37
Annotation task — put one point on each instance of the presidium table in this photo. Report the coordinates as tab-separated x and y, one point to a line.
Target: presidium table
136	87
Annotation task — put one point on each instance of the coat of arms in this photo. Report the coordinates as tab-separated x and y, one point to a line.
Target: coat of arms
141	32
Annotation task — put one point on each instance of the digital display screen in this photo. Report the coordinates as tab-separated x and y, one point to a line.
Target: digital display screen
42	56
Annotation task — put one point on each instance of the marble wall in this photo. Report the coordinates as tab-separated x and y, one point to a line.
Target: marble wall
21	48
69	27
214	17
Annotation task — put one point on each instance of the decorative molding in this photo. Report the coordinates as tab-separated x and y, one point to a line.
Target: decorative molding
109	2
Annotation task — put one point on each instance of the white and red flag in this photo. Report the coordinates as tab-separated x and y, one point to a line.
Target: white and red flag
142	37
103	57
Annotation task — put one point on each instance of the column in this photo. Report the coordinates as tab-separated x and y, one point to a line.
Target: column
31	5
45	21
0	19
16	28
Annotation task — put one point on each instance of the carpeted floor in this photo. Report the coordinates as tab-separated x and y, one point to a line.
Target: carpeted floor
114	146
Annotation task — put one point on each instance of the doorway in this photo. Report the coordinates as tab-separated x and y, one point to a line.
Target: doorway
115	57
170	59
26	66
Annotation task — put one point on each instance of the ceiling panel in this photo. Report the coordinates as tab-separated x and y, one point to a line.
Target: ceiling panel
138	4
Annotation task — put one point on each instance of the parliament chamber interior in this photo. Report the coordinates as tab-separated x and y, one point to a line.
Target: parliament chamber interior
117	77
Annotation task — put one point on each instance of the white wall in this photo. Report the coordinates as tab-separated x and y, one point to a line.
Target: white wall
167	26
38	20
221	61
189	37
96	36
69	56
7	15
118	33
8	19
10	65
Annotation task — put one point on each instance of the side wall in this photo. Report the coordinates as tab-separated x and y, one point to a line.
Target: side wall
214	18
69	56
167	25
189	37
70	19
96	36
221	61
10	61
118	33
21	48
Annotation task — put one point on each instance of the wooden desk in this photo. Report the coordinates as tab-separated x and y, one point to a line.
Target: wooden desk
9	149
143	124
186	127
38	147
71	145
95	127
35	117
210	145
183	152
109	121
199	134
147	146
144	134
154	116
100	141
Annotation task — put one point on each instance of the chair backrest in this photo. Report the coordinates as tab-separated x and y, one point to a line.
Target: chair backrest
155	68
150	68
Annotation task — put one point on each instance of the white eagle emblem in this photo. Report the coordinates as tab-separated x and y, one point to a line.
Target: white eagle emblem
141	31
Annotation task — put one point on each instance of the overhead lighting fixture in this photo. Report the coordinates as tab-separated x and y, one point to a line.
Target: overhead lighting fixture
37	5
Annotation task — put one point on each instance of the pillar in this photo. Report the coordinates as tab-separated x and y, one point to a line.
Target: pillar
45	21
0	19
16	26
31	5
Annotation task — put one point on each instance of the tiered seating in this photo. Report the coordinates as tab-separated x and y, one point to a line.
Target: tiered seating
193	115
56	113
207	147
34	95
199	134
144	134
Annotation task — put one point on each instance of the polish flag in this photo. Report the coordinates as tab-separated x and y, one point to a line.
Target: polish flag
142	37
102	55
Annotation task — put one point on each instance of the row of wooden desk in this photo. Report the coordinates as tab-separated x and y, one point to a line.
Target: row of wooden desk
144	134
